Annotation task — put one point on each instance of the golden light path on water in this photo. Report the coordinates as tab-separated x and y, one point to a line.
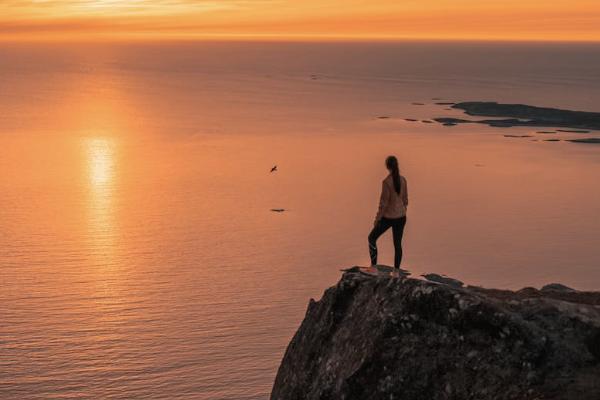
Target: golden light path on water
100	162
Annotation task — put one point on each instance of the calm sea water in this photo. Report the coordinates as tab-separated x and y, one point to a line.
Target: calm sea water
138	255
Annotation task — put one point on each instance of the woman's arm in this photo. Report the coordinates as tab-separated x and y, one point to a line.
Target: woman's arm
383	202
405	192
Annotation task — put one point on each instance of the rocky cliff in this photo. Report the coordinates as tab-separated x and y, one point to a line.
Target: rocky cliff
398	338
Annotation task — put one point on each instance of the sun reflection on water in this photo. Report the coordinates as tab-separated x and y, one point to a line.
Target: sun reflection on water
100	157
101	162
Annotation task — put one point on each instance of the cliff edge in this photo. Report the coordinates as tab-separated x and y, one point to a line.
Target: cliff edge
397	338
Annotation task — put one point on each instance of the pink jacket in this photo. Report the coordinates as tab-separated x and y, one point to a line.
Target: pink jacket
391	204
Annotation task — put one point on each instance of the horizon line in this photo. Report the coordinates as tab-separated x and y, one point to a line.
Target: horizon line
311	38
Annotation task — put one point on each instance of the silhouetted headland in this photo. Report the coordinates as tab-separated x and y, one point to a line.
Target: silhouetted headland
524	115
585	140
376	337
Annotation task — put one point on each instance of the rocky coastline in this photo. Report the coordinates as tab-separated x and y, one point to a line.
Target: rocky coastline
382	337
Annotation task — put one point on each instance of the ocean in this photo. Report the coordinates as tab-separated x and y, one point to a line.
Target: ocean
140	258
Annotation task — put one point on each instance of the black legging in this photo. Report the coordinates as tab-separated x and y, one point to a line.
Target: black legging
383	225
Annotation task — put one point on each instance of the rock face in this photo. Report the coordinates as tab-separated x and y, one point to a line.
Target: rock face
396	338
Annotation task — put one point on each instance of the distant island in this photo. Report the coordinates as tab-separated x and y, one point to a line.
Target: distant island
377	337
511	115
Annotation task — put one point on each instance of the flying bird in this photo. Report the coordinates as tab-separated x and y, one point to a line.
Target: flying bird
274	169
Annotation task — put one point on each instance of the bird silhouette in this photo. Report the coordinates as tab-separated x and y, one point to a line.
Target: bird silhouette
274	169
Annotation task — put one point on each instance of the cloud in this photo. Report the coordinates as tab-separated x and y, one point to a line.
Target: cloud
525	19
51	9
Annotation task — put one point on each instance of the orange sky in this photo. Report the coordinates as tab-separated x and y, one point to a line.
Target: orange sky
427	19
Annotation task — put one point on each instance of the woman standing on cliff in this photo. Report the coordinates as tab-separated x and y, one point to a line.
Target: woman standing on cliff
392	211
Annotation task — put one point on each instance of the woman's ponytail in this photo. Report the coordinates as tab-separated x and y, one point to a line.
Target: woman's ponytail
392	164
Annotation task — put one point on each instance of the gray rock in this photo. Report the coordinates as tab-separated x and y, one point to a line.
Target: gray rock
387	269
354	269
557	287
372	337
446	280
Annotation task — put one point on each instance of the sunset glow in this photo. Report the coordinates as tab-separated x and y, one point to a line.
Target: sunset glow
385	19
100	160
